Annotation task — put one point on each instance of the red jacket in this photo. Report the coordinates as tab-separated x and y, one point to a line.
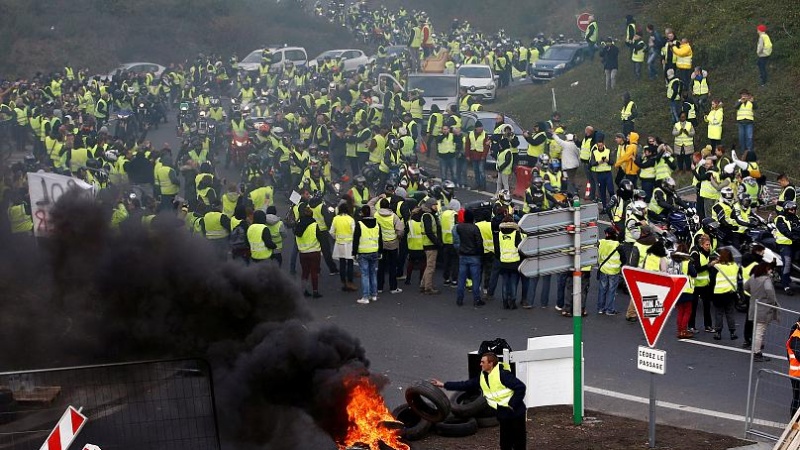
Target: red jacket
473	155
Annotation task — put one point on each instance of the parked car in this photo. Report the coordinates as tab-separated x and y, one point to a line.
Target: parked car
280	55
558	59
437	89
487	118
137	68
353	58
479	79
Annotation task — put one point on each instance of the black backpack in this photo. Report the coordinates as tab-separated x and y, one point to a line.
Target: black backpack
496	346
238	238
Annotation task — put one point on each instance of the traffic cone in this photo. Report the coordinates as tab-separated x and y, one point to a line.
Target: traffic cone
588	190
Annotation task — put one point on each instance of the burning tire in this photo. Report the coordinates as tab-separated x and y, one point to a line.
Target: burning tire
457	427
467	404
428	401
415	426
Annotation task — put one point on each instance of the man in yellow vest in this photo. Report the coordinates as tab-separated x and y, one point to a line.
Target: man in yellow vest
367	242
504	393
638	49
591	35
601	162
19	216
260	239
745	119
609	256
787	235
166	179
700	90
763	50
216	227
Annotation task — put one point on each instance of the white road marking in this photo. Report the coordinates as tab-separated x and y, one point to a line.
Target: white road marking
733	349
682	408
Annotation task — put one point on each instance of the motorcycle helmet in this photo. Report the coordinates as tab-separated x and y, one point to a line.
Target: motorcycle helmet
111	155
449	187
131	90
669	184
202	114
544	160
625	190
436	191
790	207
359	180
214	101
537	182
395	144
726	195
411	159
370	173
745	200
277	131
711	227
403	183
504	196
638	208
749	181
555	165
639	195
390	188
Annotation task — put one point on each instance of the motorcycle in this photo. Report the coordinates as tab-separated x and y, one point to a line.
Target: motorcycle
684	223
238	149
126	126
186	116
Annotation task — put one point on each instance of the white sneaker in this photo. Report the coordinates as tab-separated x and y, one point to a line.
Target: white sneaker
363	301
396	291
373	299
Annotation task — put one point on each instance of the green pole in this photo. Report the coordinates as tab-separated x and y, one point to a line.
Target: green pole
577	323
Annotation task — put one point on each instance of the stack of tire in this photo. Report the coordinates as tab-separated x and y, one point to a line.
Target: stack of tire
428	409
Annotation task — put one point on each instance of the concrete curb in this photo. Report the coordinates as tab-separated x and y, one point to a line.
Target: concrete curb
754	446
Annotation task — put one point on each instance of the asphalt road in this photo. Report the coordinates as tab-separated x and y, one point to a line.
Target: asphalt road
410	337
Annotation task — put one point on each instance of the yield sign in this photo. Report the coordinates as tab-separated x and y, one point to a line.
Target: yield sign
654	294
583	21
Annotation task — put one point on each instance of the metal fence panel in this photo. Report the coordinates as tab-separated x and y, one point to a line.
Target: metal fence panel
130	406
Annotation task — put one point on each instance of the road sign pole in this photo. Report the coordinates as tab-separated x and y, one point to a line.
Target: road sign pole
577	325
652	424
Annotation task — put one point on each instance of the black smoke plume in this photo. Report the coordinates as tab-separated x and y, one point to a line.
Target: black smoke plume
110	297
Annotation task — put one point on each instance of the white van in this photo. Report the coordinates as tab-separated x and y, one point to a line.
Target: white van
280	55
437	88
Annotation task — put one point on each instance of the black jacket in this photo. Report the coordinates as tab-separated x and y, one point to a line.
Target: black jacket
516	406
470	240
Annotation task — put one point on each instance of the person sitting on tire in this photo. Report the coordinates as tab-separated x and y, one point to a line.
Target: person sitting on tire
504	392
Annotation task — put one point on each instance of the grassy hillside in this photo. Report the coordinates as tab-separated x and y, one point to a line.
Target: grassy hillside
44	35
724	46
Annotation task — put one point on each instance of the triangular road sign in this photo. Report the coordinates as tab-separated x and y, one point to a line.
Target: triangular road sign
654	294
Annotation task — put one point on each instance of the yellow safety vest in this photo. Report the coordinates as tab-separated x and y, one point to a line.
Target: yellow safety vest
277	237
607	250
703	278
229	201
261	197
637	55
258	249
537	150
213	224
21	222
415	235
700	87
767	44
682	139
586	149
508	247
745	112
780	238
486	233
308	242
426	241
651	262
343	225
368	242
654	206
376	155
386	224
744	214
627	111
448	221
662	169
689	287
726	278
707	190
598	157
476	142
437	120
448	145
494	391
714	119
503	158
164	182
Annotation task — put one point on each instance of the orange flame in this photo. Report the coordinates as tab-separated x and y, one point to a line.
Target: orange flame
366	411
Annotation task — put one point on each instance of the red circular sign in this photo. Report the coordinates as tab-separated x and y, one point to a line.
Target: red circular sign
583	21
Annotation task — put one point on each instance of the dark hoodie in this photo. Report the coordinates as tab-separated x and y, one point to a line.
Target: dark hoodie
368	222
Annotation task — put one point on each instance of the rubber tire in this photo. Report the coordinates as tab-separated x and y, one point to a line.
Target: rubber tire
467	404
457	427
416	427
487	422
434	395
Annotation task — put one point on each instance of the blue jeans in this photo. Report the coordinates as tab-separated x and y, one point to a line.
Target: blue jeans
480	175
509	286
369	274
469	266
607	293
447	166
675	109
530	285
762	70
461	171
787	254
606	186
745	136
648	184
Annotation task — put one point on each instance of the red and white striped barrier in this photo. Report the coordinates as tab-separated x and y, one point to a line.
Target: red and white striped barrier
65	431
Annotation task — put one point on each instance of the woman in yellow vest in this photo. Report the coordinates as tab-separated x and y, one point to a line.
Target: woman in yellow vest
688	300
703	288
725	274
342	229
367	243
506	244
310	250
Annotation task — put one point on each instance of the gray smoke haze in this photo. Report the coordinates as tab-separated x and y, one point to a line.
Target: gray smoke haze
279	381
